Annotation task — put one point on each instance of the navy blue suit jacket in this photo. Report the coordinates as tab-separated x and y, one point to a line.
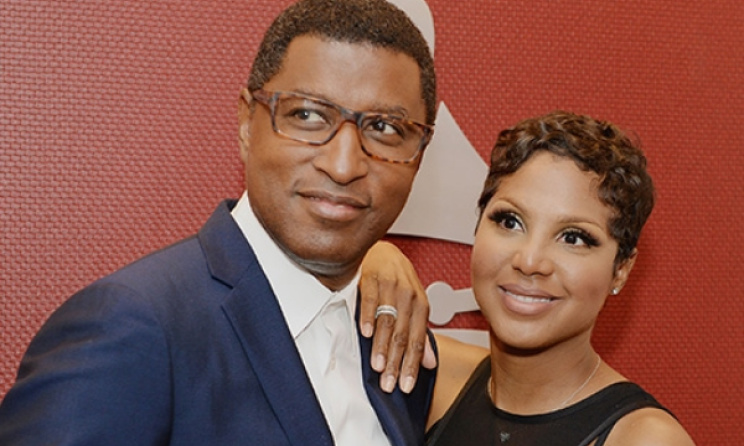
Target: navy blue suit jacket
187	346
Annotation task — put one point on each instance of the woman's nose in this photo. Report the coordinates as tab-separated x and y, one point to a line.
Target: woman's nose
532	258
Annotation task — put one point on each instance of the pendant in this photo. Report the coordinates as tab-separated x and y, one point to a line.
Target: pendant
505	436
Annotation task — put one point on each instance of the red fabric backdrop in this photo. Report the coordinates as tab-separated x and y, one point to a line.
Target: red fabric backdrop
118	136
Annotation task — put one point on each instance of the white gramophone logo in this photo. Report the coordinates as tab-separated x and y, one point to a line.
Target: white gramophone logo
442	204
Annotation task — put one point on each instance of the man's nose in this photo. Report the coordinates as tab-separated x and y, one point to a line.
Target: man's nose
342	158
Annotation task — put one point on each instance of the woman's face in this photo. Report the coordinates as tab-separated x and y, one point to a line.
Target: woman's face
542	262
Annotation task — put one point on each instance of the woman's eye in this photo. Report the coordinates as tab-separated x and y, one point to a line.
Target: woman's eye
506	220
579	238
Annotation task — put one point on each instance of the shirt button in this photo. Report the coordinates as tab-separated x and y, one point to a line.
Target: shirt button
332	365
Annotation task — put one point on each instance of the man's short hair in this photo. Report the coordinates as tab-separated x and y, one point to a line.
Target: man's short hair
375	22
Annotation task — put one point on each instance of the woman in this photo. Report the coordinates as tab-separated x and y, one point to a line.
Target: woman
561	212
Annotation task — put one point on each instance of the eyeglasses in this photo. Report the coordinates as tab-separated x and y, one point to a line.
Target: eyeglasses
384	136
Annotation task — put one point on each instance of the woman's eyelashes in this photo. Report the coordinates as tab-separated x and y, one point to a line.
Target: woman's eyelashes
578	237
506	219
510	221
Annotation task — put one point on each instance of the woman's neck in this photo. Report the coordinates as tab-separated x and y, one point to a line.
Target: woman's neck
535	382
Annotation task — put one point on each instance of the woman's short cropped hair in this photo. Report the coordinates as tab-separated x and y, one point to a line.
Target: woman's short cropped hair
595	146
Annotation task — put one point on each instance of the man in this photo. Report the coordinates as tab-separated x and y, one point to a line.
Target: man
245	333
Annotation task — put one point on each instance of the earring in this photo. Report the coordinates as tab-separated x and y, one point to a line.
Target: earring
615	291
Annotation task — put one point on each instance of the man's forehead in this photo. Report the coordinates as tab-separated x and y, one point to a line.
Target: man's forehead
358	76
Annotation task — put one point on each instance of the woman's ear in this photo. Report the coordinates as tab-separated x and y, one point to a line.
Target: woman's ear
622	271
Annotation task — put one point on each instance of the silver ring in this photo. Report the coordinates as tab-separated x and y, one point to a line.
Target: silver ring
386	309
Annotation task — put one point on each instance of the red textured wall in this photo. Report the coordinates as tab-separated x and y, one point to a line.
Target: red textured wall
118	136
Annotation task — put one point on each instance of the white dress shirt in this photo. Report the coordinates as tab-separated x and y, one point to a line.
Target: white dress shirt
322	324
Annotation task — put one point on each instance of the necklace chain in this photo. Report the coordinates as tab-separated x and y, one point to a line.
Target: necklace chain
581	387
570	397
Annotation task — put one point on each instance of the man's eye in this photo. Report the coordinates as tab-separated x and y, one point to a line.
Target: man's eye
386	127
308	115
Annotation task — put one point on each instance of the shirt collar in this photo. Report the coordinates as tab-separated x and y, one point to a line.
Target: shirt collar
300	295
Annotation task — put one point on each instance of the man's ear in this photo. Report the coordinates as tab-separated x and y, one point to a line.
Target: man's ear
245	114
622	272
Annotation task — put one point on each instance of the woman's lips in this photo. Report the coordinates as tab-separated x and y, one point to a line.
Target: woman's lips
527	303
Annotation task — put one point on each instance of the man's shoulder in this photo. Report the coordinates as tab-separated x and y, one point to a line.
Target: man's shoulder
178	282
179	269
185	260
177	259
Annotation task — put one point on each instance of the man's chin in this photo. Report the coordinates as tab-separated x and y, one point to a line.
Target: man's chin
334	273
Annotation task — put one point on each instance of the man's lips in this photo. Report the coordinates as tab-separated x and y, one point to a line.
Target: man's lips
338	199
335	207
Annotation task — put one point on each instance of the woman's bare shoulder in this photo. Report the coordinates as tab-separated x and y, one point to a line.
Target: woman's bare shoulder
649	427
457	361
458	358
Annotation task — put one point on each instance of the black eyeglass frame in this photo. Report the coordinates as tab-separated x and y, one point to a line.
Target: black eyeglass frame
270	99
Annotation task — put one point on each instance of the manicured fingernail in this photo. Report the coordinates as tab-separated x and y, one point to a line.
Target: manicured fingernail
367	329
406	385
378	362
388	384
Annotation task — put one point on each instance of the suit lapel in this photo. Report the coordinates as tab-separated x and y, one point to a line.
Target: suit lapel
265	337
403	416
255	316
258	322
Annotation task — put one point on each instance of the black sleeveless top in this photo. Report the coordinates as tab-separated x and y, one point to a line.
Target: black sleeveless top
473	419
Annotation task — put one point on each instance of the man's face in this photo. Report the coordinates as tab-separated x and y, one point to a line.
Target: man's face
326	205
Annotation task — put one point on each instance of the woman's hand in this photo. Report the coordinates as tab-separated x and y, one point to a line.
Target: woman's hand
400	345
